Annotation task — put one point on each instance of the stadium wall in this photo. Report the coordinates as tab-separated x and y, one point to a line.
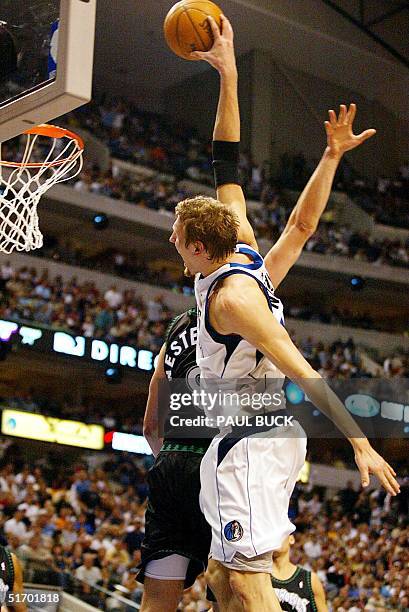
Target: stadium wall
194	101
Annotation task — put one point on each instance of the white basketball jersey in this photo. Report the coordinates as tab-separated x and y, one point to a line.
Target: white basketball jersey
229	357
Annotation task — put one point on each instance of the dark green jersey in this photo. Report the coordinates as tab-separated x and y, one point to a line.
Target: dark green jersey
295	594
183	373
6	573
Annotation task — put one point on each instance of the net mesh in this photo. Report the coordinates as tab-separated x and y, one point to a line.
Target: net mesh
22	184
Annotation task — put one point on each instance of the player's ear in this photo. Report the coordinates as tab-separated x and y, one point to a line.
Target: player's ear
291	540
198	247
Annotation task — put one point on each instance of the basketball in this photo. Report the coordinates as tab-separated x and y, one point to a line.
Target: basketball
186	27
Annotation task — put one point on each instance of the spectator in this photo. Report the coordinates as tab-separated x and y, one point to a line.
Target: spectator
35	551
17	526
113	297
312	548
6	273
88	572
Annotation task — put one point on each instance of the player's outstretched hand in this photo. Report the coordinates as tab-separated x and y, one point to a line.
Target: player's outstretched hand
340	137
221	55
370	462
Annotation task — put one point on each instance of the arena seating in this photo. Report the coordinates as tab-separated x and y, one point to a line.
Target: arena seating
68	525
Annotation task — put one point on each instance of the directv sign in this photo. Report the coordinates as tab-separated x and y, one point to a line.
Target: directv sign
101	351
79	347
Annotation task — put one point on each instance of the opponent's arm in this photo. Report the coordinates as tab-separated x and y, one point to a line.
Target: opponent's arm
17	606
151	418
226	133
319	593
229	314
311	204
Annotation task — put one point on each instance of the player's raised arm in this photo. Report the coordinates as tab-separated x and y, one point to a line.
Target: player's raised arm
226	134
311	204
151	420
230	315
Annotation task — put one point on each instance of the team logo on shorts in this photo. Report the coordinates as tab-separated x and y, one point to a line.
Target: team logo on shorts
233	531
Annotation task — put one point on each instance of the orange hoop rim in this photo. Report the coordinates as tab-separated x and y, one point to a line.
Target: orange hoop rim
50	131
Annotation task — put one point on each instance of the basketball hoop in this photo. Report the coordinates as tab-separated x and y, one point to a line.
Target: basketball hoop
23	183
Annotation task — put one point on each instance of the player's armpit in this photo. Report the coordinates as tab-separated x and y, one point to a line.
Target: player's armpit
232	195
319	593
152	419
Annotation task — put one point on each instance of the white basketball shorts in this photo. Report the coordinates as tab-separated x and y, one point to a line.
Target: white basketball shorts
246	487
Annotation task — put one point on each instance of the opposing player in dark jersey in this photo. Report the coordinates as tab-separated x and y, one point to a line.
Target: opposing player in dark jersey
11	582
176	538
297	589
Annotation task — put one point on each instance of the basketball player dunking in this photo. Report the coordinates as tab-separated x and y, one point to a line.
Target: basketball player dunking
297	589
241	336
177	538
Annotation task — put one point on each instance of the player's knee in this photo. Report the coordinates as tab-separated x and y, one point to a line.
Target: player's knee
240	587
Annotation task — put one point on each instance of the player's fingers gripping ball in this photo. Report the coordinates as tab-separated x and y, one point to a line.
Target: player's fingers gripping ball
187	28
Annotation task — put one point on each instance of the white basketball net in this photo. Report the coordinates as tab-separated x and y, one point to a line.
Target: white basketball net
23	184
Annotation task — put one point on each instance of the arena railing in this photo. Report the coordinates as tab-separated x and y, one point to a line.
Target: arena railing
40	576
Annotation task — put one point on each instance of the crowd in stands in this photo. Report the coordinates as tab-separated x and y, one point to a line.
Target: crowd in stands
155	272
81	308
268	221
161	192
121	316
130	265
152	140
356	541
387	201
76	529
177	151
329	239
336	360
81	527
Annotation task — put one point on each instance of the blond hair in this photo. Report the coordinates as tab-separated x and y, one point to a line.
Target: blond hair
209	221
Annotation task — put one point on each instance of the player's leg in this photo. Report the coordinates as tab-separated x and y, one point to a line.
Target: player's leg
217	578
177	538
268	466
161	595
244	584
164	581
241	591
253	591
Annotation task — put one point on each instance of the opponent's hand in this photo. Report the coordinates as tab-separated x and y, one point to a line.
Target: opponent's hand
221	55
340	137
370	462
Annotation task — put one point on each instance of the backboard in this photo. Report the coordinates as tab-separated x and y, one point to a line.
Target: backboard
47	52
